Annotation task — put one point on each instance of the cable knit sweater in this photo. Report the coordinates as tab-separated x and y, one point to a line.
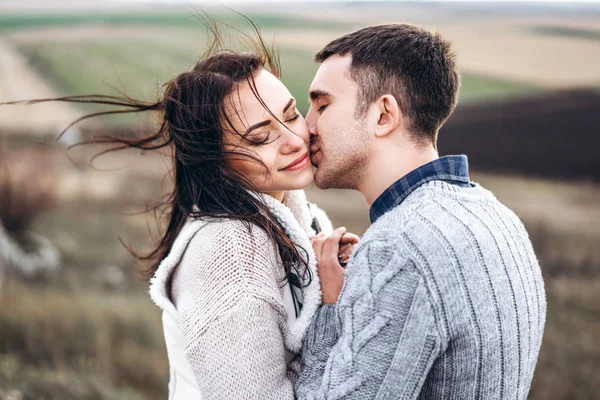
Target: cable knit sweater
443	299
230	327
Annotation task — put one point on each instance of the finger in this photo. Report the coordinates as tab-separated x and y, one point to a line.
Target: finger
318	247
344	254
317	236
350	237
345	248
332	244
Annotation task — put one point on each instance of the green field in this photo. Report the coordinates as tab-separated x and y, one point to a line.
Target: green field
139	67
190	18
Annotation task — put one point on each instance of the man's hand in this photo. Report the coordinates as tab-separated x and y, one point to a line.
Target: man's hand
347	243
329	250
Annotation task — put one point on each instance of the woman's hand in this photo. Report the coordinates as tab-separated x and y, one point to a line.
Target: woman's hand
330	250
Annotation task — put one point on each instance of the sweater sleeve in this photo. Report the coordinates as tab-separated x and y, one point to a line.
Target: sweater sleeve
231	316
388	335
241	355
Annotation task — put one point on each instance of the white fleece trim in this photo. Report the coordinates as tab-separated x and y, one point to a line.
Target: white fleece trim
295	218
299	206
158	283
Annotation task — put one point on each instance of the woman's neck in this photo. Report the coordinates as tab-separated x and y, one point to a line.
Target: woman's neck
277	195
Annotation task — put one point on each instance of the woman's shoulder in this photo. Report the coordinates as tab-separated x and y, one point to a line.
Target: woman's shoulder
227	256
228	237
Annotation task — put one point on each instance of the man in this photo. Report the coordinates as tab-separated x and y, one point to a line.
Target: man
443	297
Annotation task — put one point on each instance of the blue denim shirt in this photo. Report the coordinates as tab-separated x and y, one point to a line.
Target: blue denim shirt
451	169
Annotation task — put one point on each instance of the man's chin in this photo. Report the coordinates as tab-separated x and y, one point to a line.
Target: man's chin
319	180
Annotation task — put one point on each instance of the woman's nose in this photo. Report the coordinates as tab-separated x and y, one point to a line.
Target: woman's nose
294	142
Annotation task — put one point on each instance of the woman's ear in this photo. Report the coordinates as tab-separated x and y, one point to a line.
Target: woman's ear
390	115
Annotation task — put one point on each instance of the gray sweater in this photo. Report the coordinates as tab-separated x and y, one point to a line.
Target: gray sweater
443	299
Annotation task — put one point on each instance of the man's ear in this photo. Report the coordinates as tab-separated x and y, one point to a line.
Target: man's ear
390	115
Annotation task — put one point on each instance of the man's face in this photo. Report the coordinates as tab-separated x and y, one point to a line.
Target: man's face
340	144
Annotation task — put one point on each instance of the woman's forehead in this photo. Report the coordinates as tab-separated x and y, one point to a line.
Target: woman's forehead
246	105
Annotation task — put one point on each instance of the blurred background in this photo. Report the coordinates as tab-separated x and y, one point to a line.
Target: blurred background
76	321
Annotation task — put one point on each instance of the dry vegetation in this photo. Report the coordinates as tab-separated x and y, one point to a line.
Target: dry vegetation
81	334
26	189
90	330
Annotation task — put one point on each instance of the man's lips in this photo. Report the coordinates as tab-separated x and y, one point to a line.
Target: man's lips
314	153
298	163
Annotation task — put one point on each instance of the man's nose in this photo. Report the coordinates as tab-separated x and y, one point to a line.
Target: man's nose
311	121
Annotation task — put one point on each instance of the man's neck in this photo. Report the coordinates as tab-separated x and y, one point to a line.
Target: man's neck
389	167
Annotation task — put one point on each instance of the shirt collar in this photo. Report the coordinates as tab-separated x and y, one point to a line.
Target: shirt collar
451	169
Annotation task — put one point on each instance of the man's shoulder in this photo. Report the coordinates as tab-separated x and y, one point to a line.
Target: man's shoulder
430	215
400	220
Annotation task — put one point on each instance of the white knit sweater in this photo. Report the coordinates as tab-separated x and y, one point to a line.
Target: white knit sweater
230	327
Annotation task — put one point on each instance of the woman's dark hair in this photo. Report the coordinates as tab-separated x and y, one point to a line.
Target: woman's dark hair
192	116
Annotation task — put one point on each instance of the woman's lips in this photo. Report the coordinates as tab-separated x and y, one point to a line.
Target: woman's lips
299	163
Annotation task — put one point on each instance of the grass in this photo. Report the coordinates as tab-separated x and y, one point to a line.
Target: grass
164	18
566	32
80	344
568	360
477	88
135	66
74	334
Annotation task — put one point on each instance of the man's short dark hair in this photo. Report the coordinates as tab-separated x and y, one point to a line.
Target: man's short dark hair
414	65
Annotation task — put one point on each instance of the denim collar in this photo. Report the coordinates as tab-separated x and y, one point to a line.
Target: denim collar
451	169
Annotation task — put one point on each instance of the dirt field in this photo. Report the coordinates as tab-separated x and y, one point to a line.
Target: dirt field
19	81
551	135
496	42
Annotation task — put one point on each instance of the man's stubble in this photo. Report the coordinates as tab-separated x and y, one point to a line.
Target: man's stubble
348	154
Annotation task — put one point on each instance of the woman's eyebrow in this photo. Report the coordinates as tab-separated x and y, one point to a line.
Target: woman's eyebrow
288	105
257	125
268	121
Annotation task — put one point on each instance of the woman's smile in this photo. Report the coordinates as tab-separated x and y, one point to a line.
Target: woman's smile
299	163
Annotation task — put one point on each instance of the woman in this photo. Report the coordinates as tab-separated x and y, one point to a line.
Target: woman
239	286
234	273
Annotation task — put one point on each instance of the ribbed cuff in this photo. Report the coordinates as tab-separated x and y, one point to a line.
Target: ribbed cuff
322	332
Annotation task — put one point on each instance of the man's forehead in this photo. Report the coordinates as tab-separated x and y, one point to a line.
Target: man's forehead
332	75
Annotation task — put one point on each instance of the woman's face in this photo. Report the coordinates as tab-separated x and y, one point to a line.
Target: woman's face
283	148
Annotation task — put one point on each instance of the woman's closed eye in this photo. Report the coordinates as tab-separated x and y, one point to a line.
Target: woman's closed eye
260	139
294	118
322	108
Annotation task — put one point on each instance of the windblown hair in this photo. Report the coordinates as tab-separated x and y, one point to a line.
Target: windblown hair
192	116
414	65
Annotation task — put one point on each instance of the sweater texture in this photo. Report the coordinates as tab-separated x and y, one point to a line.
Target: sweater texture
443	299
230	326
